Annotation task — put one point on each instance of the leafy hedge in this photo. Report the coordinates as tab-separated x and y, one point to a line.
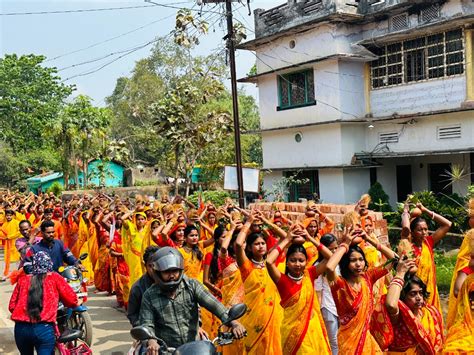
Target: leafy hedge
216	197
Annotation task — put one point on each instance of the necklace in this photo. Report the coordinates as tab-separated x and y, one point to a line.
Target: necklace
260	264
298	278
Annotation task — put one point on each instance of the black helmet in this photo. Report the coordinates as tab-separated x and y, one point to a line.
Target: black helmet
165	259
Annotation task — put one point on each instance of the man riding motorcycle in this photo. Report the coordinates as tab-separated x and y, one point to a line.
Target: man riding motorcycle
170	308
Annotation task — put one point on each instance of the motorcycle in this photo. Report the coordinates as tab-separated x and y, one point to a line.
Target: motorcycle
75	318
198	347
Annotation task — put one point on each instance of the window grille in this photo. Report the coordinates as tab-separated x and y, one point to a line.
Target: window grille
435	56
429	14
296	89
399	22
449	132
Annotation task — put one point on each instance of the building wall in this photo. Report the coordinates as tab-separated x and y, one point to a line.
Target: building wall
330	38
332	90
343	185
356	183
430	95
331	185
113	176
320	146
422	134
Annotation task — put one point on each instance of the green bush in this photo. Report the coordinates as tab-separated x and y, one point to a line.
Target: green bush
380	200
216	197
450	206
444	271
56	188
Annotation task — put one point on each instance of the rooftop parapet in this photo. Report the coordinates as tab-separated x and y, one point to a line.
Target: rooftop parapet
301	12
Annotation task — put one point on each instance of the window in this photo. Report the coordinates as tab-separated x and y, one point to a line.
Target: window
296	90
307	186
435	56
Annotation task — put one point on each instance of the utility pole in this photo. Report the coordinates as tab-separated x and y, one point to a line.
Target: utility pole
235	101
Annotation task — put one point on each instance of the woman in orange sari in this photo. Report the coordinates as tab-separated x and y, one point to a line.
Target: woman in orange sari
353	295
263	317
460	338
102	273
415	327
422	245
302	330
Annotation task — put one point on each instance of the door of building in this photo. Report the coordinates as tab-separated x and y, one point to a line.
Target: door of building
439	178
404	185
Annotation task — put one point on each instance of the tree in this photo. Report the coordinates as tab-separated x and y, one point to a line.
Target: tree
184	118
31	96
80	132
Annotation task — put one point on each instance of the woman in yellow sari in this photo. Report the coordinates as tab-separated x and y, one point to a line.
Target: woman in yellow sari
193	252
422	245
132	239
460	338
83	244
415	327
462	261
353	295
9	232
302	329
264	314
232	285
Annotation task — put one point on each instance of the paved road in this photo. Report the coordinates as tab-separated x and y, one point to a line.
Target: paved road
111	327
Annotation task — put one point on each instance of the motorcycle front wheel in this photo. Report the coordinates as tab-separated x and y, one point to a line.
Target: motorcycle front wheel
82	321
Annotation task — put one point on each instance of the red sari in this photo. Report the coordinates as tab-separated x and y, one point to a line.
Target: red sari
102	272
408	334
120	270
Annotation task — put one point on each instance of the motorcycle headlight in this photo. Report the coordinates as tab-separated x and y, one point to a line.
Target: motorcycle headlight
76	285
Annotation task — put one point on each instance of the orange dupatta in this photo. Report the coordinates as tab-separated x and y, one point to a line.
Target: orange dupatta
460	338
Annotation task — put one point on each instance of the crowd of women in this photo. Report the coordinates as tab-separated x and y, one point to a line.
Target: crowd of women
311	286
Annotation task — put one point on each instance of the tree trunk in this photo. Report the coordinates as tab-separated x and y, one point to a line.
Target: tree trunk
74	161
176	170
66	179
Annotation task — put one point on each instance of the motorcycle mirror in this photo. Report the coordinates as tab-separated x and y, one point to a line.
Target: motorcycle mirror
83	256
141	333
235	312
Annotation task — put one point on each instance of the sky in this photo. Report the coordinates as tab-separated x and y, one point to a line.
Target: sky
78	43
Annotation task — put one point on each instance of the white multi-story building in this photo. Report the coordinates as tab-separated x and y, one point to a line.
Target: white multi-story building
353	92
